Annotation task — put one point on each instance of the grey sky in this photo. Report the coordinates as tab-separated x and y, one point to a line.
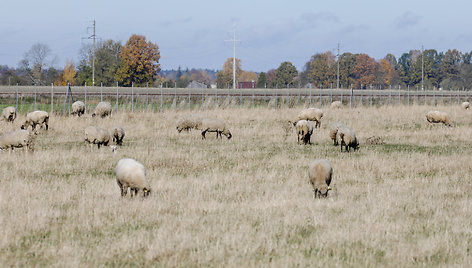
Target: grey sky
192	33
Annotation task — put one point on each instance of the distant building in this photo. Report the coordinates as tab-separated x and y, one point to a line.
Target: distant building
247	84
196	84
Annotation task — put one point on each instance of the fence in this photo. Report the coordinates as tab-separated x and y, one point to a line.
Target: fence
58	100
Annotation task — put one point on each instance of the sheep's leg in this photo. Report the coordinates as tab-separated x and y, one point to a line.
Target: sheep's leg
203	134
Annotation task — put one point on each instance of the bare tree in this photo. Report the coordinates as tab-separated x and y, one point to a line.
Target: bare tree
36	61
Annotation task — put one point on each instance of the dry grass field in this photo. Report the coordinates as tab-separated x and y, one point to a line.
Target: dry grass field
244	201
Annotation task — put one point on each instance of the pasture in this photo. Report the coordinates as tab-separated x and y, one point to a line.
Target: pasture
244	201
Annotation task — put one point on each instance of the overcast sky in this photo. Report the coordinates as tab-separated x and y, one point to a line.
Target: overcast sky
192	33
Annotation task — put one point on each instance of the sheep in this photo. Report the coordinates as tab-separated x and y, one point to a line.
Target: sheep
336	105
131	174
103	109
347	138
333	131
320	173
97	135
438	117
311	114
304	130
9	114
78	108
36	118
214	125
465	105
17	139
189	122
118	133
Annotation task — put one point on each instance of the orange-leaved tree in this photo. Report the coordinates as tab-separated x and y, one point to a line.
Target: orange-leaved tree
139	62
67	76
365	70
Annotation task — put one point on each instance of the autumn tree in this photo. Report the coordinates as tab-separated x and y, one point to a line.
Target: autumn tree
347	63
68	76
321	69
365	70
286	74
139	62
35	63
224	77
387	73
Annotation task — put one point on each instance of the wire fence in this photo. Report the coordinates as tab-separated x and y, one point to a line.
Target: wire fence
58	99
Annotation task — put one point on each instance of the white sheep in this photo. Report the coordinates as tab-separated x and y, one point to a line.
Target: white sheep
465	105
118	133
17	139
189	122
336	105
36	118
320	173
215	125
131	174
103	109
9	114
78	108
434	117
97	135
311	114
304	130
333	132
347	138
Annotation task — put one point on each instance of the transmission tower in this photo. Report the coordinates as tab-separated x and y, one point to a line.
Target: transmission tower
93	37
234	56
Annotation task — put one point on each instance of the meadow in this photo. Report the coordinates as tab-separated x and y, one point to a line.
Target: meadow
246	201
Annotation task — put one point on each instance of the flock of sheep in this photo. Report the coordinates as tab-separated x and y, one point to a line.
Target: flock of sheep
131	174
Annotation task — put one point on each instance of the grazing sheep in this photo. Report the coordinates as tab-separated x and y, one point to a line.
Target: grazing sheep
78	108
465	105
189	122
103	109
97	135
36	118
311	114
131	174
215	125
304	131
333	131
17	139
118	133
438	117
9	114
347	138
320	174
336	105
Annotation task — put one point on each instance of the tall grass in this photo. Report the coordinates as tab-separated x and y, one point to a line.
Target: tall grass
244	201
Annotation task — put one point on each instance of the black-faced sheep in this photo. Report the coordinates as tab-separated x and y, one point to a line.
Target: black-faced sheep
9	114
118	133
78	108
97	135
333	132
103	109
215	125
131	174
311	114
189	122
17	139
36	118
347	138
434	117
320	174
304	130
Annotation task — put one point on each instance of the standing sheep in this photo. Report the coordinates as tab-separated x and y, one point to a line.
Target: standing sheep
189	122
103	109
347	138
320	174
9	114
336	105
17	139
333	132
465	105
438	117
36	118
97	135
78	108
131	174
118	133
311	114
304	130
215	125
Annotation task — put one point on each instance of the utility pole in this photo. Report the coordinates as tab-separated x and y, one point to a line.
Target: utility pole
234	56
422	68
337	85
93	37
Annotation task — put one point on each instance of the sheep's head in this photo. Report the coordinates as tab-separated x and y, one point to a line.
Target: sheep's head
227	134
179	129
323	190
93	115
146	191
113	148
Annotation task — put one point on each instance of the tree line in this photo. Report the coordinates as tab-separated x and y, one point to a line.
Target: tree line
137	63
